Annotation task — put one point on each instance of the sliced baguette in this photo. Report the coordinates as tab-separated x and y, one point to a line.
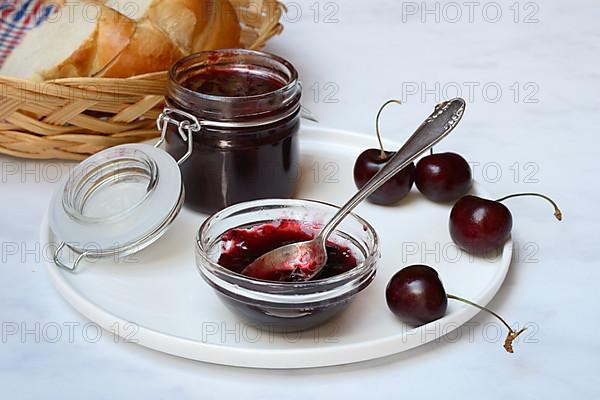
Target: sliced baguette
96	38
223	29
113	37
170	29
67	45
149	50
181	20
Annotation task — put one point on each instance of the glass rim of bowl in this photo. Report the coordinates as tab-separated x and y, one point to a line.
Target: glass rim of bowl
287	292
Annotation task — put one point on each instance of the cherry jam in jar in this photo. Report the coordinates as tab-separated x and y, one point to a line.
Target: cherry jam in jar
248	104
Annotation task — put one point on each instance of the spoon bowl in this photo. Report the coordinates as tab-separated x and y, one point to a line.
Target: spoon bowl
296	261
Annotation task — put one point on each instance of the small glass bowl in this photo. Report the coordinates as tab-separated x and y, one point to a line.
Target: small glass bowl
280	306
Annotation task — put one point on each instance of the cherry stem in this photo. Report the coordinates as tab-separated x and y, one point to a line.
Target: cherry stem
512	334
557	211
377	123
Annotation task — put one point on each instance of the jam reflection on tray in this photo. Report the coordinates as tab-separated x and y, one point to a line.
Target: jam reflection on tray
230	82
241	246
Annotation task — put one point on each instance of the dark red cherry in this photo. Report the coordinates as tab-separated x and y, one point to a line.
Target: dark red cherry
443	177
370	161
416	295
480	225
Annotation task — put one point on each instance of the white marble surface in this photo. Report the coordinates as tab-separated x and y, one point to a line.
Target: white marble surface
370	55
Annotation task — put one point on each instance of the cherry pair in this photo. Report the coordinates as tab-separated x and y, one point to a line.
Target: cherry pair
440	177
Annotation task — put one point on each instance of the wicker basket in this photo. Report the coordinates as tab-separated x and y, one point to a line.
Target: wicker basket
73	118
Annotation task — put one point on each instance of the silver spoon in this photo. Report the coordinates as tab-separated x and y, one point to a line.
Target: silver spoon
304	260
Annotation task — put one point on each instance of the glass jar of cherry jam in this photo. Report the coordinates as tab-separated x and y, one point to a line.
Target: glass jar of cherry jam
247	105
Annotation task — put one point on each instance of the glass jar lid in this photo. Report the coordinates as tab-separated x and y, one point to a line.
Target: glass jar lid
115	202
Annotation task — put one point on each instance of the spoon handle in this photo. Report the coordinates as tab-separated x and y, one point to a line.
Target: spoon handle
441	122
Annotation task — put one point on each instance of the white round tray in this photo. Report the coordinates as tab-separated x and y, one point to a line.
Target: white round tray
157	299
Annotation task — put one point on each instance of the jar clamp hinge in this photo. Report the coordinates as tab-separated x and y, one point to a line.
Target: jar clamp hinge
185	128
59	263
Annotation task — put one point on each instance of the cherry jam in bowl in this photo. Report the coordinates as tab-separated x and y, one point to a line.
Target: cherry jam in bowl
229	238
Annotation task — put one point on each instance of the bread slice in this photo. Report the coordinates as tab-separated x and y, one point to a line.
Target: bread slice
180	20
193	25
223	29
149	50
170	29
78	40
115	31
